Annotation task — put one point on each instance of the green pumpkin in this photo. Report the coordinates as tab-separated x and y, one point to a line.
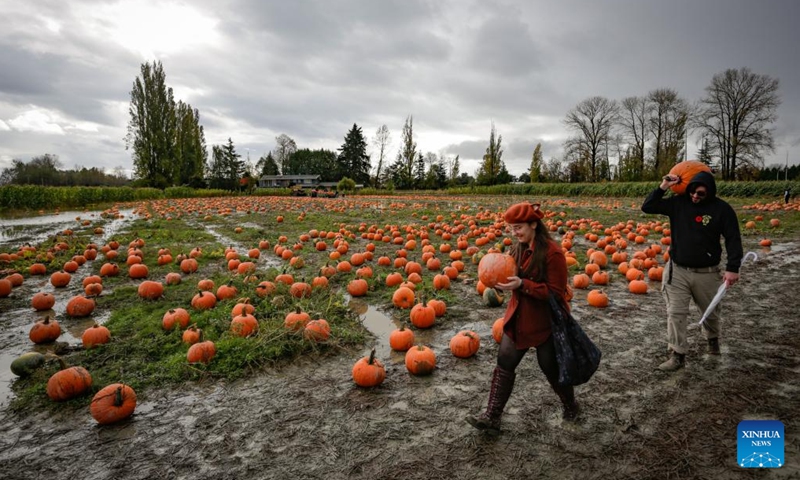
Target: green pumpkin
27	363
476	258
492	297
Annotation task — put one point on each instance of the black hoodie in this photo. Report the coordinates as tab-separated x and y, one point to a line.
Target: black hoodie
696	227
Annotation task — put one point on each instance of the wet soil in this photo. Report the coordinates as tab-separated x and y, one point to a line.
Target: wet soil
308	420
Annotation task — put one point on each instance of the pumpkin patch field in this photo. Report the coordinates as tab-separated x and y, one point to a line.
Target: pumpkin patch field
295	337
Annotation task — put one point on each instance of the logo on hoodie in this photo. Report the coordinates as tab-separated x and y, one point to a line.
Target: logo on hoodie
705	219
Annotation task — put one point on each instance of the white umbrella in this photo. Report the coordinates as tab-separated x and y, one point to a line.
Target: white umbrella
722	289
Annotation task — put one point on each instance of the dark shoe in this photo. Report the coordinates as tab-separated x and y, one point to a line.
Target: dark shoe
502	385
713	346
675	362
567	397
484	422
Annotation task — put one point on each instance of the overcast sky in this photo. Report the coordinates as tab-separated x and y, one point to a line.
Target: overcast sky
311	69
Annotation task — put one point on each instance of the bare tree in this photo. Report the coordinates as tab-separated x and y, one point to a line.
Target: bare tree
594	120
382	140
668	123
634	120
283	150
736	113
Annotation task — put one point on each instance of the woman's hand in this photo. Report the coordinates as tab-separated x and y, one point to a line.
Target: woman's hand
513	283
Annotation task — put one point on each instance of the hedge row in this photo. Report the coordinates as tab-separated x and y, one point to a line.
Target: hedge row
38	197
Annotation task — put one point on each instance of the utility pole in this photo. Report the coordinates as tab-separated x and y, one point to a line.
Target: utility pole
786	175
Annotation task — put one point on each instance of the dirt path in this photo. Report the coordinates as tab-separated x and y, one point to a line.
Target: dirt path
307	420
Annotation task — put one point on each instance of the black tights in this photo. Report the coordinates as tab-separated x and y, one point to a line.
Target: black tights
509	357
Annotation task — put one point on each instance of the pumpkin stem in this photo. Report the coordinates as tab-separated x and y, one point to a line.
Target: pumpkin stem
371	357
62	364
118	397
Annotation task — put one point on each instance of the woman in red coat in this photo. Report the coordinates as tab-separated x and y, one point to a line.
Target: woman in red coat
542	269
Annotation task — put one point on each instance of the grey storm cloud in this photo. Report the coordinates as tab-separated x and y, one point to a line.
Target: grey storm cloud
311	69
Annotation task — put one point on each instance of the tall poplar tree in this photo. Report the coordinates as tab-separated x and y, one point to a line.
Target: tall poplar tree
401	172
190	145
151	129
492	160
536	164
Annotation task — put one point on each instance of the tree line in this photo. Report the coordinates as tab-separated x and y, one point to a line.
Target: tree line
46	170
645	135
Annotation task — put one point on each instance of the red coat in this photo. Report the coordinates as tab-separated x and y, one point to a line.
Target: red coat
527	318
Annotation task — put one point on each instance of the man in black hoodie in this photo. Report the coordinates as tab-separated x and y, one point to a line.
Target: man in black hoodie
697	221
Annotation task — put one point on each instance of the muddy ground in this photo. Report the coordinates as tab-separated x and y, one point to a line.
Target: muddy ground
307	419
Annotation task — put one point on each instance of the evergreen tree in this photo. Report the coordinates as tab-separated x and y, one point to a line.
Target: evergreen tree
152	125
704	154
267	165
536	164
419	171
234	166
353	158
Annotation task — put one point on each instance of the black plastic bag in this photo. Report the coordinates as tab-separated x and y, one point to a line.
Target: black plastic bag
578	357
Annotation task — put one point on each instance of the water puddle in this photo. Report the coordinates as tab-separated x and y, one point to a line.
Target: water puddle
37	229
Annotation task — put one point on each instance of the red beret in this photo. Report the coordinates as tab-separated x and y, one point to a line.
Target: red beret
523	213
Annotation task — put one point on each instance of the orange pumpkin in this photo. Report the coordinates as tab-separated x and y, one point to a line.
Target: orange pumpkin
597	298
580	280
296	320
357	287
638	287
60	279
317	330
192	335
244	325
422	316
45	331
43	301
439	306
95	335
151	290
403	297
80	306
228	291
465	344
401	339
495	268
68	382
497	330
369	371
686	171
204	300
175	316
201	352
113	403
300	290
420	360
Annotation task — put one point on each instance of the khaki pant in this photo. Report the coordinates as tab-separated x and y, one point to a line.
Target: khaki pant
687	284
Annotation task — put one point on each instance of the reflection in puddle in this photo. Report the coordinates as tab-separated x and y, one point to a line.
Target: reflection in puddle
382	325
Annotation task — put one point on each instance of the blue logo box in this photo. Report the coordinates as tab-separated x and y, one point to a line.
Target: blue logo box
760	444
